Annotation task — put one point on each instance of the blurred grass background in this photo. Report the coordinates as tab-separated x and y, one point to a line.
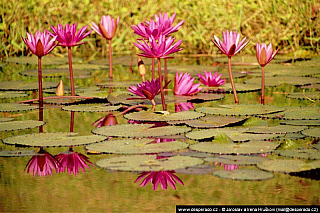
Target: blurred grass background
291	25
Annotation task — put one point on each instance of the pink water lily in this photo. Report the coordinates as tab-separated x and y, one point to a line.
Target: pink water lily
230	44
183	85
68	36
40	44
211	80
73	161
162	177
184	106
265	53
107	27
42	164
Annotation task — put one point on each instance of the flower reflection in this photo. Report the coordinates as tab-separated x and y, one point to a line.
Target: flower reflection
179	107
161	177
43	164
228	167
73	161
107	120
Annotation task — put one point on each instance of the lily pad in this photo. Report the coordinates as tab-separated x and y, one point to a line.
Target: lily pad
252	147
301	153
212	122
114	84
139	130
147	163
91	108
14	107
18	125
17	153
5	119
136	146
53	139
83	67
287	166
196	170
275	129
312	86
276	81
22	86
96	94
12	94
121	98
240	109
54	73
316	146
305	95
152	116
313	132
296	113
243	174
227	88
236	159
195	98
126	60
33	60
63	101
301	122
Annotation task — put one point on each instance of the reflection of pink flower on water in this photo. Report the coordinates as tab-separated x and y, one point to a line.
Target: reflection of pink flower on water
228	167
107	120
73	161
185	106
162	177
43	164
163	140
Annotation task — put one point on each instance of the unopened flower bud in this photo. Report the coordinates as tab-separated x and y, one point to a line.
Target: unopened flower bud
60	89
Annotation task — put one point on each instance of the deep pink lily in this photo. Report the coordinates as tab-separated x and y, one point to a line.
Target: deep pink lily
183	85
211	80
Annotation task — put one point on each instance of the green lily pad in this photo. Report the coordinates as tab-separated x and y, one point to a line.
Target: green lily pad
276	81
22	86
287	166
252	147
301	122
212	122
240	109
236	159
126	60
120	97
83	67
15	107
63	101
196	170
53	139
12	94
192	69
136	146
313	132
17	153
96	94
54	73
114	84
281	70
5	119
227	88
18	125
33	60
243	174
197	97
147	163
312	86
305	95
296	113
316	146
139	130
301	153
291	136
275	129
90	108
152	116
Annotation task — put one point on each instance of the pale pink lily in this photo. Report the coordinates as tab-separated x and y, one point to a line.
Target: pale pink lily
183	85
211	80
162	177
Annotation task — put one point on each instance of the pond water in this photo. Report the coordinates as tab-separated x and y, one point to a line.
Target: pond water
102	190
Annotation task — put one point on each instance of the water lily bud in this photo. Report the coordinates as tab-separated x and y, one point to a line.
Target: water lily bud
141	67
60	89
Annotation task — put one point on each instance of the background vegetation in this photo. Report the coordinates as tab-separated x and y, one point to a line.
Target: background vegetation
292	25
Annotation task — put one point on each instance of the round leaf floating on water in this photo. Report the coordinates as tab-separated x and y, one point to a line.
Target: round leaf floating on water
63	101
313	132
305	95
5	119
22	86
17	153
139	130
15	107
54	73
18	125
240	109
91	108
226	88
83	67
96	94
121	98
276	81
312	86
301	122
286	166
213	121
136	146
243	174
148	163
236	159
4	95
33	60
152	116
53	139
280	129
295	113
252	147
301	153
114	84
127	60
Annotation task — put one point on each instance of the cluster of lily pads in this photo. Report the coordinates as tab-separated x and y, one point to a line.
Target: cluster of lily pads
191	139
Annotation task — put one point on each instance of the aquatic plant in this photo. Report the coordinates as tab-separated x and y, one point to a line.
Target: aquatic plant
183	85
107	120
107	28
68	37
211	80
230	46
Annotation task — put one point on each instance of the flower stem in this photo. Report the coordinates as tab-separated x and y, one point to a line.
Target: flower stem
153	62
110	60
40	82
262	85
41	116
71	72
72	121
161	86
165	71
232	83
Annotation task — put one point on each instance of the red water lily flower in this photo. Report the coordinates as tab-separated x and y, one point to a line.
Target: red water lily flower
211	80
40	44
230	44
265	53
107	27
43	164
68	36
183	85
